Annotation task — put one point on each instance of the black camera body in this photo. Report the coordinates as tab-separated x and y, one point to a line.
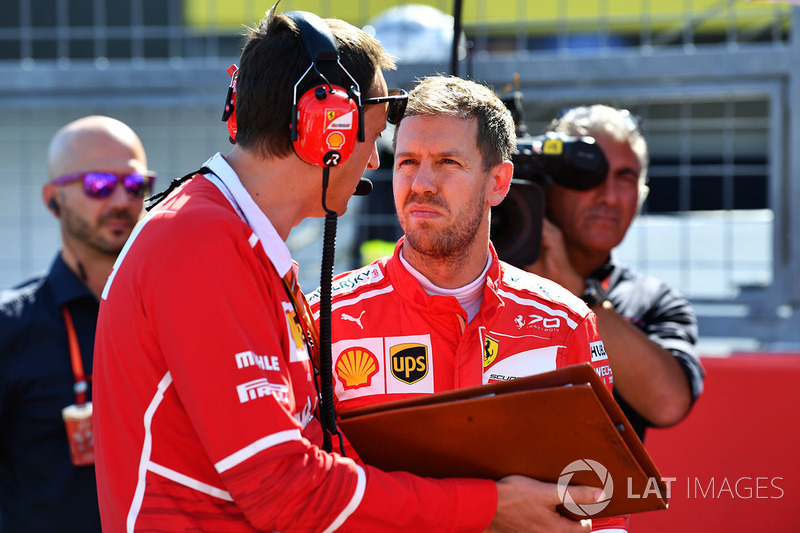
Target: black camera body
573	162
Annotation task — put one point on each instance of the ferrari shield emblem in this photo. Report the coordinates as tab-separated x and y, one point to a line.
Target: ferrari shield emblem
490	347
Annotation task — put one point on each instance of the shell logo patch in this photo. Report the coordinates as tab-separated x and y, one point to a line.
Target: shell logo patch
341	122
335	140
355	367
490	348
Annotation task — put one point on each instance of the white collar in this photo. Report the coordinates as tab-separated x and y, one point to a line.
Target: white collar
469	296
226	180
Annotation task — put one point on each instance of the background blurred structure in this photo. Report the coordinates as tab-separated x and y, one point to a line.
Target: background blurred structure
716	82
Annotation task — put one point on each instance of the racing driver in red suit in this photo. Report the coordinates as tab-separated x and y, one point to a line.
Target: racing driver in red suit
443	312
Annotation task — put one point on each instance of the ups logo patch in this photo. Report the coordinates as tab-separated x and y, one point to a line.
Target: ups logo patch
409	362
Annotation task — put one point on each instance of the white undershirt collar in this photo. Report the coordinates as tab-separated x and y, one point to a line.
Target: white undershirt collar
469	296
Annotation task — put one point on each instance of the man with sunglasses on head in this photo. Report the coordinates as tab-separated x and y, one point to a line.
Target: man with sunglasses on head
443	312
207	410
97	180
649	329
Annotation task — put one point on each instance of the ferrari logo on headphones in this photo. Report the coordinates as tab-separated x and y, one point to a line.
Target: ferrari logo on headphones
490	347
340	122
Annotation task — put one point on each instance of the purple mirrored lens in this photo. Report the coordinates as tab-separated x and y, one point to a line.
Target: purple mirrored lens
102	184
99	184
135	184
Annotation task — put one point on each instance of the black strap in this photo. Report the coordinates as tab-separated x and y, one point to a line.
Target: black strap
174	184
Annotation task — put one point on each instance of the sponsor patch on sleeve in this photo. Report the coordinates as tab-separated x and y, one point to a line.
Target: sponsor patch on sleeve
598	351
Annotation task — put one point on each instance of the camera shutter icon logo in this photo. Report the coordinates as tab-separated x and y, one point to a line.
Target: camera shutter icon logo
586	509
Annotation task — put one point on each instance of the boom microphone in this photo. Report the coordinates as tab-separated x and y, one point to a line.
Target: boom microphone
363	188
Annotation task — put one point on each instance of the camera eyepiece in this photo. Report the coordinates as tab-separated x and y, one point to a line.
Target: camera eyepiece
573	162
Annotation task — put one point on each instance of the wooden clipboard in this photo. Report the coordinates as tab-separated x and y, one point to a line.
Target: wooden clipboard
534	426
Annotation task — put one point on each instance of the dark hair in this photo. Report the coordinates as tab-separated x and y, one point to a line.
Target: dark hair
273	60
457	97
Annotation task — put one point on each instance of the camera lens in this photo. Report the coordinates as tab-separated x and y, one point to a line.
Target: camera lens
516	229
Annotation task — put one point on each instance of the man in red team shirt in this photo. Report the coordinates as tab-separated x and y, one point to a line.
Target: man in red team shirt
443	312
205	399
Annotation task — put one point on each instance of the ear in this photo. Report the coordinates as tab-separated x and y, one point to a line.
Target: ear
499	182
644	191
50	198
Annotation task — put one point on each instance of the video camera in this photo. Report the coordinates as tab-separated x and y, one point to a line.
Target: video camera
573	162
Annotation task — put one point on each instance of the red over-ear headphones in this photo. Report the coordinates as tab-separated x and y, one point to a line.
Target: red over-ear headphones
228	114
327	120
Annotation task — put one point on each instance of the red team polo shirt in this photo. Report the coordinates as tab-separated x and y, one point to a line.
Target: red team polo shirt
204	396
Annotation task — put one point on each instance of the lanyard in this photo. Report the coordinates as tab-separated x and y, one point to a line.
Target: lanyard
81	385
303	315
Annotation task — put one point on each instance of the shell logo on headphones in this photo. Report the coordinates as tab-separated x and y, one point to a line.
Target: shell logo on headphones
335	140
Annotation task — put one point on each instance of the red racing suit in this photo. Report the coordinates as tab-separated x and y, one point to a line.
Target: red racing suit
392	341
204	394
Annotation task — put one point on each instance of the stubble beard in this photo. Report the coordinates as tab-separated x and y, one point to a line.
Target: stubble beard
449	244
91	236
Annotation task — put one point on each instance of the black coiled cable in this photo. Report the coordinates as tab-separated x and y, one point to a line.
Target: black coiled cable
327	408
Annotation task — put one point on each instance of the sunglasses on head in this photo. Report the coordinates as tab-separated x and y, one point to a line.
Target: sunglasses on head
397	99
102	184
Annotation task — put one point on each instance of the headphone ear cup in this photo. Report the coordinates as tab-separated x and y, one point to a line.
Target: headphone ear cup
327	126
229	112
232	122
53	205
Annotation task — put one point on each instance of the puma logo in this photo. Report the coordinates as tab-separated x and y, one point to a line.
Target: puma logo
345	316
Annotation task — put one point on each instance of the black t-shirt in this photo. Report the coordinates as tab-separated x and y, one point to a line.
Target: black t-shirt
663	315
40	489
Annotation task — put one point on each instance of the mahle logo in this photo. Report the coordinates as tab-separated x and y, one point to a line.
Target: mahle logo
586	509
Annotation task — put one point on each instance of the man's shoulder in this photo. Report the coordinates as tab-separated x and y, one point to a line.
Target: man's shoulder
631	281
527	288
17	304
196	215
199	200
14	299
355	281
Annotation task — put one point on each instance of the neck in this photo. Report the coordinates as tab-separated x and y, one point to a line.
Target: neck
454	271
90	266
586	261
279	187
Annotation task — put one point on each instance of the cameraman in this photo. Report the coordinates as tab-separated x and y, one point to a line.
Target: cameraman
648	328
